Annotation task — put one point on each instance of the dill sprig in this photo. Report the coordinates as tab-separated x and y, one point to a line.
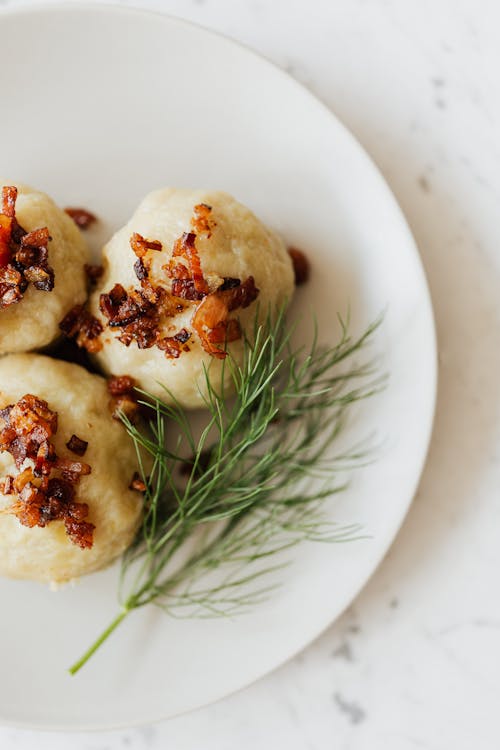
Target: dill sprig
221	504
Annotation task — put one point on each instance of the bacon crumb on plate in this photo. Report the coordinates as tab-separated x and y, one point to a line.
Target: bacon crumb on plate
82	218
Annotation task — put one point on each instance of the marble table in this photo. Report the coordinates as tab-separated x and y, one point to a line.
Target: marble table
414	662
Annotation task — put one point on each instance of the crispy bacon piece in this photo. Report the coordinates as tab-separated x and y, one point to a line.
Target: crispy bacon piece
185	246
185	289
201	222
136	483
134	313
122	308
178	271
72	470
211	315
211	322
301	266
80	325
45	491
93	272
32	258
9	198
31	415
12	285
124	399
140	269
76	445
7	485
82	218
81	533
119	385
172	345
241	295
140	245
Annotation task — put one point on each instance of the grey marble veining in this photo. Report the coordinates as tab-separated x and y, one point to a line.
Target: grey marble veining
414	662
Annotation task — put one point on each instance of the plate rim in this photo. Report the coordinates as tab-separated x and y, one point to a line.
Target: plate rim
411	244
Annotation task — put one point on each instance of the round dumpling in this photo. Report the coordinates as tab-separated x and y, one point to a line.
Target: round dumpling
66	466
42	274
183	282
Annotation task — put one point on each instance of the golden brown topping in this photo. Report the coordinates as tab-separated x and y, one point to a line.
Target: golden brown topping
185	247
211	321
9	198
12	285
239	295
79	324
172	345
136	483
134	313
45	490
7	485
23	255
301	266
80	532
202	222
140	245
119	385
77	445
82	218
124	399
93	273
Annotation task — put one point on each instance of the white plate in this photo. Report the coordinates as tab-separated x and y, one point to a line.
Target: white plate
98	106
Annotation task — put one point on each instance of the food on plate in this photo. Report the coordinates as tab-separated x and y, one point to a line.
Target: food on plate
42	275
183	282
70	492
189	302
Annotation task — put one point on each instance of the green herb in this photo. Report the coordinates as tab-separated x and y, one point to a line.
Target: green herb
248	493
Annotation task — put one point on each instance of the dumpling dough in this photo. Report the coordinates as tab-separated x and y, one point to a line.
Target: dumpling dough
33	322
81	402
239	246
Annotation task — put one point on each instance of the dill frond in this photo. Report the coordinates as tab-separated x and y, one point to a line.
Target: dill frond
259	475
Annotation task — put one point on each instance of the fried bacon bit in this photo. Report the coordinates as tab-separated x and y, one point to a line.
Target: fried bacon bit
44	491
79	324
140	245
80	532
136	313
7	485
93	273
301	266
185	247
23	255
82	218
136	483
123	398
228	283
211	322
172	345
201	222
76	445
119	385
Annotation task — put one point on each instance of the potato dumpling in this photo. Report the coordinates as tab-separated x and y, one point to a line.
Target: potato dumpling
183	282
66	507
42	274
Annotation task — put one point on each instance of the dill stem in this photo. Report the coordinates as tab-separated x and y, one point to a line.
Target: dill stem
99	641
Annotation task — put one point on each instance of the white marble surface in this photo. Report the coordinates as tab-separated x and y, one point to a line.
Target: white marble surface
415	661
